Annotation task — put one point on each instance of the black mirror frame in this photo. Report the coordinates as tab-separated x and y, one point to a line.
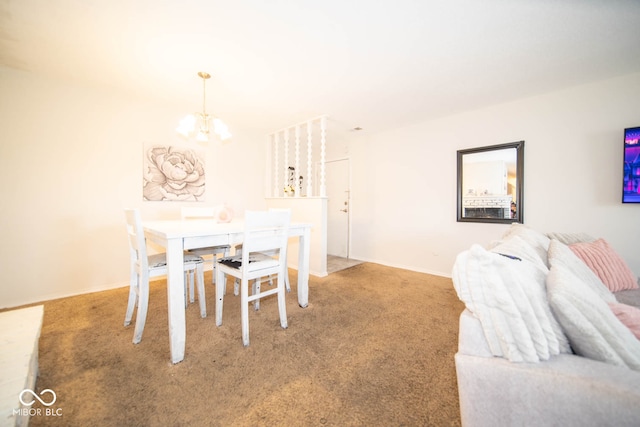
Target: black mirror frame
519	146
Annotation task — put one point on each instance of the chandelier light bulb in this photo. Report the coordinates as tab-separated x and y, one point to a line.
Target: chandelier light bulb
187	126
221	129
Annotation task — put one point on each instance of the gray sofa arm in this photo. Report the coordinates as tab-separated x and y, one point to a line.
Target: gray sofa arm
567	390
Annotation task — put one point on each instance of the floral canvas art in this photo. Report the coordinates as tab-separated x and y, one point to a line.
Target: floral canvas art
173	173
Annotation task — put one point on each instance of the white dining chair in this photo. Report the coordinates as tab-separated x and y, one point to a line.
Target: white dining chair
205	212
145	266
257	282
265	231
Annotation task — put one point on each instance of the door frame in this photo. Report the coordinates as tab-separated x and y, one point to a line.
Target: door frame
349	206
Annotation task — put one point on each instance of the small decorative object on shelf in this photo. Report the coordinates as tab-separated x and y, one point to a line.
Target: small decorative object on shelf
290	188
225	214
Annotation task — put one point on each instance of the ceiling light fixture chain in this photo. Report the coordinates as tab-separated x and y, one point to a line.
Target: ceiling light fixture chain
204	77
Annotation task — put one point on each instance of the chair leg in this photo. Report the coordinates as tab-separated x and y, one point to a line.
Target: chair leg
133	297
186	289
236	283
213	269
286	280
201	297
220	285
244	310
282	303
226	253
143	304
255	291
191	290
286	276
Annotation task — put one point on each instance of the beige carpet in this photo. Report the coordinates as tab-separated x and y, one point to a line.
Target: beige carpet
374	348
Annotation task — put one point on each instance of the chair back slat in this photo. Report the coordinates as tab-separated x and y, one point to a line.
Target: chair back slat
266	231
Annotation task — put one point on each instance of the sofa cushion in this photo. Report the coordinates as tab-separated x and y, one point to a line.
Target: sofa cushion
593	330
629	297
560	255
628	315
603	260
508	296
570	238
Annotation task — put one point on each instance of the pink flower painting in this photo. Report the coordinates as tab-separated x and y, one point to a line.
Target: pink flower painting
173	174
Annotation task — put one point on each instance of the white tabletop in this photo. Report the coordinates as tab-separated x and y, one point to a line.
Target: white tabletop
171	229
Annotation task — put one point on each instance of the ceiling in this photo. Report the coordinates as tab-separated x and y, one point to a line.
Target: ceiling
374	64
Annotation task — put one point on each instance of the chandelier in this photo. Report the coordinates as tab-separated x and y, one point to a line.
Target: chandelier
200	124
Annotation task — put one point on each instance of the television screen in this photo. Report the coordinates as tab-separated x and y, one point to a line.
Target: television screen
631	180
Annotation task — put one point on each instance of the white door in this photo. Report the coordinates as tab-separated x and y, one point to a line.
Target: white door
337	181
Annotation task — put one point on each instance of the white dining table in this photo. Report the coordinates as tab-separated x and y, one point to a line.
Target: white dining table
176	236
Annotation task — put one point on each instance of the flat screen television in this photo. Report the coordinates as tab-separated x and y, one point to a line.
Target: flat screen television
631	180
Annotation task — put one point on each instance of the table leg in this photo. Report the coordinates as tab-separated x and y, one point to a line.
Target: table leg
175	299
303	267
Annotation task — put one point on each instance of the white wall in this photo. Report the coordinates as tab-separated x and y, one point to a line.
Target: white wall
404	181
71	161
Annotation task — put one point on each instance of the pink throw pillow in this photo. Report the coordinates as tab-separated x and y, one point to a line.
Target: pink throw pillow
628	315
606	264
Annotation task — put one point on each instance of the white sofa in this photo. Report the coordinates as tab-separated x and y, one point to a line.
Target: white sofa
516	362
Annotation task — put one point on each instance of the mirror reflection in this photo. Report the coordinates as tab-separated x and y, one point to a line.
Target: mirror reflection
490	183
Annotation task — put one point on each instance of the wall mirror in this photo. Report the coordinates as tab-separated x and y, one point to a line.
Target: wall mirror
490	183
